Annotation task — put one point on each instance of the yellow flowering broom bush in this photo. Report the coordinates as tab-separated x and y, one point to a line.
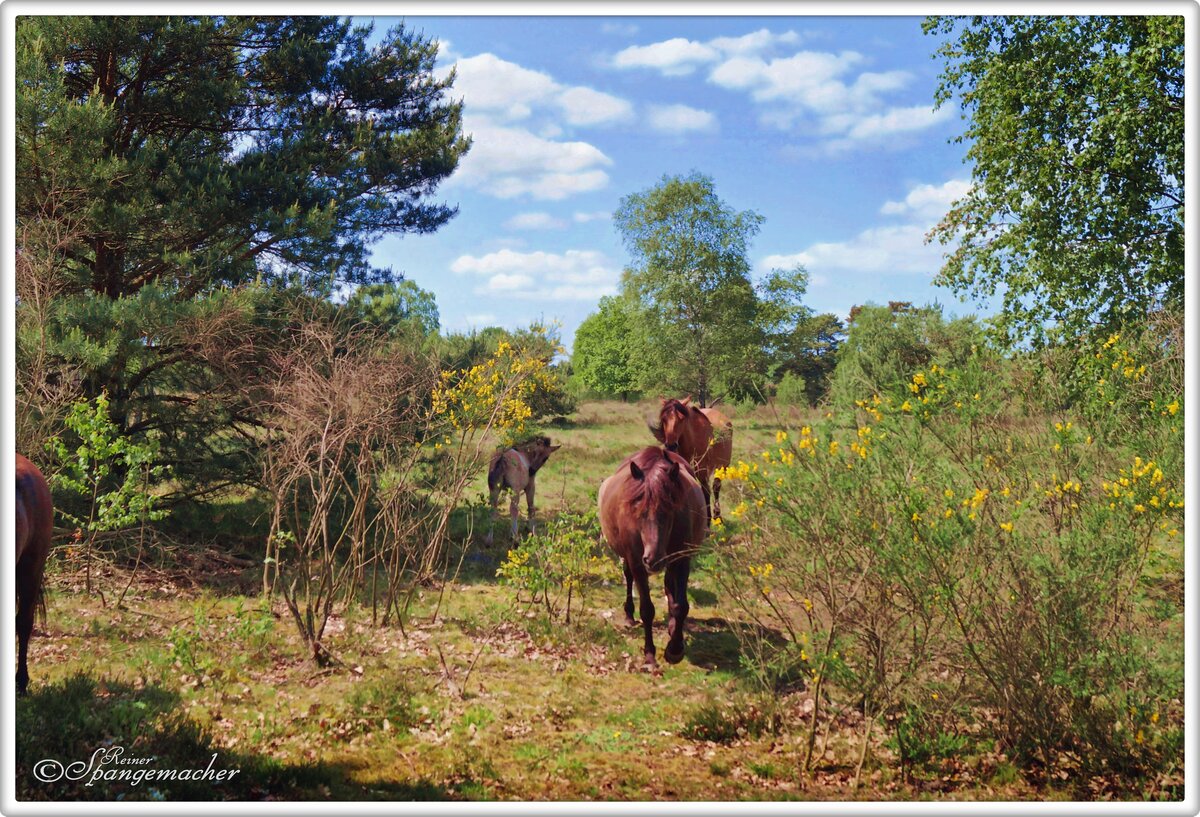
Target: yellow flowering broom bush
955	543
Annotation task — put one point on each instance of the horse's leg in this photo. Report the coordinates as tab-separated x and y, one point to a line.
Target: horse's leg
716	490
676	582
28	584
628	594
647	605
494	499
529	504
707	497
514	510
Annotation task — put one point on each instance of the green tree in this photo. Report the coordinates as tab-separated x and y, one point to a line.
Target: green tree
1077	147
192	155
690	277
396	307
885	345
605	356
809	352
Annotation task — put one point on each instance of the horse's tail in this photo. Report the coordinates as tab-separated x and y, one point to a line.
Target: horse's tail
39	609
496	471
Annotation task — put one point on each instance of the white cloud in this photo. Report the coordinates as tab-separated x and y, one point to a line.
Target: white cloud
504	282
679	56
516	117
573	275
877	251
583	106
825	95
821	94
508	92
928	202
503	89
680	118
599	215
886	249
756	41
479	319
673	58
507	162
534	221
896	120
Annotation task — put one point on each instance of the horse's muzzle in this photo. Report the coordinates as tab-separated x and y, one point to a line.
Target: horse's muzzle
653	566
673	448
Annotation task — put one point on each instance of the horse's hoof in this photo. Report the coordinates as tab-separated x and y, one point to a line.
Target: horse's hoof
630	623
673	657
649	664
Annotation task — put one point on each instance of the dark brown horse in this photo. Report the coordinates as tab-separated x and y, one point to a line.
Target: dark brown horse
653	516
515	468
703	437
35	523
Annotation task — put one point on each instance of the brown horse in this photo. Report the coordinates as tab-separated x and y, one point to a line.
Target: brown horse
35	523
515	468
652	515
702	436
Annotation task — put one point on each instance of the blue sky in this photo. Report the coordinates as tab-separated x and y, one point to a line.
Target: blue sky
823	125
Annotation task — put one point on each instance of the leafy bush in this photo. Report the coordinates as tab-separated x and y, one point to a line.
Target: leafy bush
550	568
110	473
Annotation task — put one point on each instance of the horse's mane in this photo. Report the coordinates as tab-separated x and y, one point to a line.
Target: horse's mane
655	492
533	442
687	409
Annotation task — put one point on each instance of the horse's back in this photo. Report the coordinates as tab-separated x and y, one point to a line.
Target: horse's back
720	451
34	512
697	510
610	511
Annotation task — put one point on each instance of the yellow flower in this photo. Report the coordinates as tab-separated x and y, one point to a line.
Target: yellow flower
1006	526
781	436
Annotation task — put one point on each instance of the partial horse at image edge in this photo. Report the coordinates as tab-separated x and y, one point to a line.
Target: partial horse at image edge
653	516
702	436
34	511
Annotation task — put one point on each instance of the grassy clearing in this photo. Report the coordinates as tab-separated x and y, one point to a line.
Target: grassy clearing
477	697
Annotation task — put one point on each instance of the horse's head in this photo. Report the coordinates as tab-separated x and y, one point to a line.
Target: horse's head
537	451
659	487
672	422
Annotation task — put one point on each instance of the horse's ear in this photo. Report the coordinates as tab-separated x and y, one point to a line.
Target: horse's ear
554	448
673	473
685	401
638	474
